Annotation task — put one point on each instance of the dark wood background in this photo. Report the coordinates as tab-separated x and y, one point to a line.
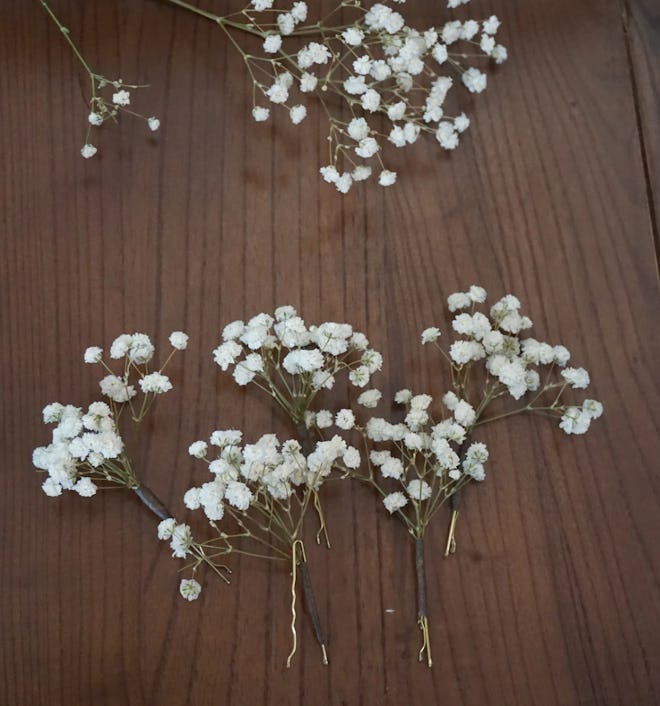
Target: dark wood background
553	596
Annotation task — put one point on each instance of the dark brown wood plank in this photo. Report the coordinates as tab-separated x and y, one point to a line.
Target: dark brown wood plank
553	596
642	26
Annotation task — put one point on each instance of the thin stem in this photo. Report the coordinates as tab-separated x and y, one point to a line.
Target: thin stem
218	19
64	30
323	530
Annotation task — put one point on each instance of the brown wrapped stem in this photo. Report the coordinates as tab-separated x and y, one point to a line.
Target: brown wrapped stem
310	603
151	501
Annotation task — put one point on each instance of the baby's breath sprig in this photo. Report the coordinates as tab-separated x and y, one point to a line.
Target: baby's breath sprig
422	465
428	462
87	452
375	64
363	63
108	98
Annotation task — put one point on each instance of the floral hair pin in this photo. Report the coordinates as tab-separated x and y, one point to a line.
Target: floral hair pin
422	462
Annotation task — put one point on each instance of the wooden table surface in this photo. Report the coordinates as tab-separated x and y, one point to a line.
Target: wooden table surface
553	596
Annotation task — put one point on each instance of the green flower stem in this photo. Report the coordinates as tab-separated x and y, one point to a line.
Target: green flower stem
218	19
64	30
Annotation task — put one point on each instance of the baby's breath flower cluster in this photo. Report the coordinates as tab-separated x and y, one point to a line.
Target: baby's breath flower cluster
292	362
425	463
493	359
135	385
380	82
87	451
379	68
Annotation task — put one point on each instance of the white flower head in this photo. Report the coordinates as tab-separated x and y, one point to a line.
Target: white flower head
491	25
387	178
121	98
88	150
51	487
457	301
369	398
403	396
303	361
392	468
116	389
418	490
272	43
593	408
358	129
371	100
324	419
93	354
153	123
227	353
299	11
577	378
181	541
286	23
297	114
238	495
179	340
277	93
52	412
85	487
155	383
351	458
575	420
260	114
166	527
430	334
394	502
246	370
141	349
345	419
308	82
353	36
190	589
474	80
198	449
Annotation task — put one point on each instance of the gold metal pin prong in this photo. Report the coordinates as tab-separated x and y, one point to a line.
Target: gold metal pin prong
450	547
423	624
